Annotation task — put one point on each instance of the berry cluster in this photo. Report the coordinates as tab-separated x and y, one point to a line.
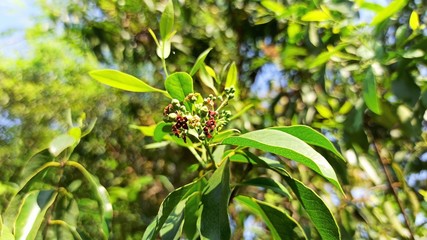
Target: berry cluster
210	124
180	125
198	117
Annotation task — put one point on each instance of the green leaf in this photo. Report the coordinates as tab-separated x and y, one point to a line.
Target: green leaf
179	85
317	210
167	207
164	49
89	128
401	36
218	153
36	175
268	183
172	229
199	62
37	163
324	111
156	145
288	146
324	56
167	21
220	136
206	79
278	8
161	130
232	78
153	35
375	7
101	195
75	132
60	143
316	16
293	30
370	92
5	232
413	53
310	136
281	225
313	35
13	209
320	59
389	11
72	229
395	222
146	130
192	213
32	213
241	111
121	80
414	21
211	72
106	208
319	213
214	218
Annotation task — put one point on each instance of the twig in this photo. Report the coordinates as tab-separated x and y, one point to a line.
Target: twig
383	163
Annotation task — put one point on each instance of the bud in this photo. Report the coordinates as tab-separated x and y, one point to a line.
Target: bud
204	110
175	102
192	97
172	116
226	114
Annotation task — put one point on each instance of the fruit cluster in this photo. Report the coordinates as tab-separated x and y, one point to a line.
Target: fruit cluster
198	117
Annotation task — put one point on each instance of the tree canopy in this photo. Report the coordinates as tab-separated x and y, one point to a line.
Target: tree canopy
355	71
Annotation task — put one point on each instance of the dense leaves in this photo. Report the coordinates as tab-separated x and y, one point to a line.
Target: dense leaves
347	76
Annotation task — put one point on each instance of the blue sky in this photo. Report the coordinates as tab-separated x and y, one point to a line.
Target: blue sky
15	17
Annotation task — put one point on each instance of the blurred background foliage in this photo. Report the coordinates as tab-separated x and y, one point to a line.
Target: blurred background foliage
354	70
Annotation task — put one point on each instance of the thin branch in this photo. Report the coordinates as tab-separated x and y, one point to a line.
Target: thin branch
383	162
208	151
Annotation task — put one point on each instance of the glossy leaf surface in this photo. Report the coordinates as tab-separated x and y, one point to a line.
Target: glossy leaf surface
268	183
232	79
281	225
60	143
370	93
167	20
310	136
199	62
317	210
167	207
101	196
32	213
179	85
121	80
215	196
414	21
288	146
316	16
319	213
389	11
